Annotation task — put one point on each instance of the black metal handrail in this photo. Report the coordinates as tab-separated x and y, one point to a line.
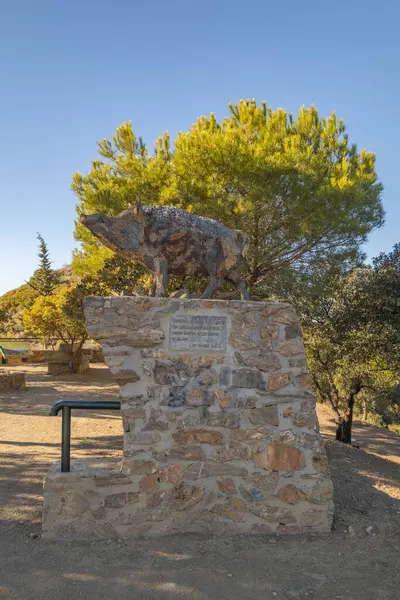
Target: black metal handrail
66	406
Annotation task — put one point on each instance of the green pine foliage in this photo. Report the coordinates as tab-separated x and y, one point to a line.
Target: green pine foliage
295	185
45	279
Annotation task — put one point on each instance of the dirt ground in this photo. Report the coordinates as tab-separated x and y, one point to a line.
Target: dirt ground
348	564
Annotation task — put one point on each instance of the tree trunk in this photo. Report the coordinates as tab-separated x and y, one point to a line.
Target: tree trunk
74	358
364	409
75	355
343	429
73	362
344	426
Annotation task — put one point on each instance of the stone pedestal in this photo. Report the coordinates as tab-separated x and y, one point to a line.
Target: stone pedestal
58	361
220	428
11	381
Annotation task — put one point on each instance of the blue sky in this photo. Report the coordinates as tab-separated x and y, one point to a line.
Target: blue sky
72	71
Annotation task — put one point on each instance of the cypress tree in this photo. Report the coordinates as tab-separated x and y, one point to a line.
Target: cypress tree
44	279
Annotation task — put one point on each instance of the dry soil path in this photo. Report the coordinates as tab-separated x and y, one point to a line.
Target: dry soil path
343	565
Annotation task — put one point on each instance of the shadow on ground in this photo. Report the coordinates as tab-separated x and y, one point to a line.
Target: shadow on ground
43	390
366	489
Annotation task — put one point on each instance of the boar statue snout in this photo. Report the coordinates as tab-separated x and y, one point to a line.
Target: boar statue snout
92	220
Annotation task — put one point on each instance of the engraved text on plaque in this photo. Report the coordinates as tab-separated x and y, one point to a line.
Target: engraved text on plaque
196	332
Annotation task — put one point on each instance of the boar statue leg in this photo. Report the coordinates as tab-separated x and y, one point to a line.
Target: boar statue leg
161	277
239	283
213	279
213	285
153	286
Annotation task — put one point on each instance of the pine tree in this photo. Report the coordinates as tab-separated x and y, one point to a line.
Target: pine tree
45	278
295	185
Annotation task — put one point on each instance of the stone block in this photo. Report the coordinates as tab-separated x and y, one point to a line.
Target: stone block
322	491
280	313
198	362
132	466
306	416
222	398
291	494
149	483
123	376
312	517
266	482
171	373
273	514
199	436
251	495
298	362
111	479
290	348
144	336
223	418
231	451
157	421
228	512
247	378
225	376
266	362
207	377
276	382
197	396
155	498
320	463
245	333
292	331
186	453
189	419
278	457
171	474
10	382
185	496
250	435
306	380
246	402
148	437
209	469
115	500
226	486
133	411
264	416
152	353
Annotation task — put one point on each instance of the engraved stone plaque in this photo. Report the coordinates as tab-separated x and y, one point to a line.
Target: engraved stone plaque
196	332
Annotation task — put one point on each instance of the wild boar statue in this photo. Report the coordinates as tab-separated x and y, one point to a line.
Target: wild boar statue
170	240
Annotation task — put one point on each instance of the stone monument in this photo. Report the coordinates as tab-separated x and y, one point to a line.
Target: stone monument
220	428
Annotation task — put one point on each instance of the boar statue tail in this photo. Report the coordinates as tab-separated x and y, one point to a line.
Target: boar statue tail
242	239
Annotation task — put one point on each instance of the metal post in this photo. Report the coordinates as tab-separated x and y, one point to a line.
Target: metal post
66	439
66	406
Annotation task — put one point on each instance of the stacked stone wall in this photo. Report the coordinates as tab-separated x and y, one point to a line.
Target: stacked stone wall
220	427
11	381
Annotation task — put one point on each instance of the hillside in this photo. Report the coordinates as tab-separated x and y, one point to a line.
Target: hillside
13	302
